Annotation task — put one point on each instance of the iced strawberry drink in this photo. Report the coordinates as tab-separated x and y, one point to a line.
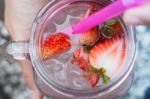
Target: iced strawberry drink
85	60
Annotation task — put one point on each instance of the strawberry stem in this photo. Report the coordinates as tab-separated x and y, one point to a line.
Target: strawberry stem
101	72
87	47
105	78
108	29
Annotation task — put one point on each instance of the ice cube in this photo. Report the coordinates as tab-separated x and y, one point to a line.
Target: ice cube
50	28
77	10
57	18
81	83
56	71
65	57
53	66
75	77
60	76
73	21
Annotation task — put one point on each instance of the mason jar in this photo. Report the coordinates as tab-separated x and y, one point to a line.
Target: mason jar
55	80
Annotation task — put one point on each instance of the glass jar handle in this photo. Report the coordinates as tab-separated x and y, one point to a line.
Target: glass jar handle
17	50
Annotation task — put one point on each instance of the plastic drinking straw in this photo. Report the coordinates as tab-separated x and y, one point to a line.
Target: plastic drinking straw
107	13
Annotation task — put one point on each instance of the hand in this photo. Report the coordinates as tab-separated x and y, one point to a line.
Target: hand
138	16
19	16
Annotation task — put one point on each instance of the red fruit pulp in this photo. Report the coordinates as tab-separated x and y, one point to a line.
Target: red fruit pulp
54	45
109	54
93	79
80	59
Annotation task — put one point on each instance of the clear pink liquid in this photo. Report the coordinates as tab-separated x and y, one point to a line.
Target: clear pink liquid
60	68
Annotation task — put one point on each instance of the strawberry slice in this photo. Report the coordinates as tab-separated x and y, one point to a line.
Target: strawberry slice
54	45
83	64
109	54
92	35
93	79
80	59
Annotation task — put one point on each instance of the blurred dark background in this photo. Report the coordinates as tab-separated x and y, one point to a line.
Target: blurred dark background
12	86
1	9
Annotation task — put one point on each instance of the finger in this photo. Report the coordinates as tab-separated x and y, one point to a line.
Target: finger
27	72
36	95
19	16
138	16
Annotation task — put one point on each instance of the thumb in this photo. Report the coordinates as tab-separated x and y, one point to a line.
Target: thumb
138	16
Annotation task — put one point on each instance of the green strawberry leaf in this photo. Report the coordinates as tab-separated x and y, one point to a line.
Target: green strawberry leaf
87	47
107	28
104	76
101	72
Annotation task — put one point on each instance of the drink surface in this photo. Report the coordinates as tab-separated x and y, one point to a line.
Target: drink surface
86	60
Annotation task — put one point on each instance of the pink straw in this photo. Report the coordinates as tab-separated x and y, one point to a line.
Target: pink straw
105	14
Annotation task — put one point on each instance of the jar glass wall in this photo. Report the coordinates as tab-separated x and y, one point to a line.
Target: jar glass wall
49	20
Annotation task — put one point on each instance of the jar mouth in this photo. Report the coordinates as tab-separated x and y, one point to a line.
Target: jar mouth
35	41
